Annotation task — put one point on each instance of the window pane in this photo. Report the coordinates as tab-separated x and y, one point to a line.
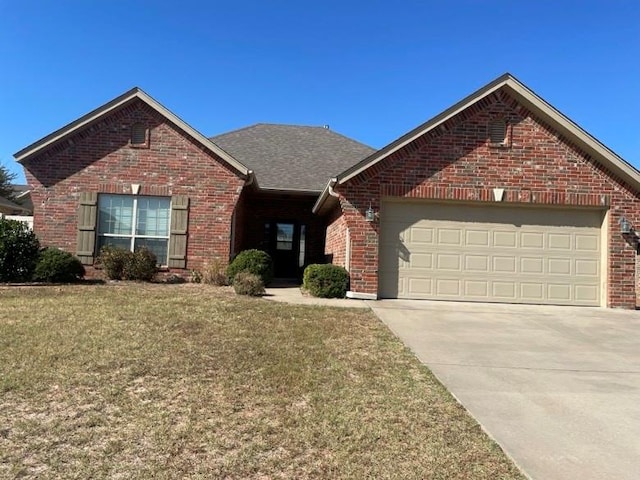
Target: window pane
157	246
153	216
115	214
284	238
303	229
115	242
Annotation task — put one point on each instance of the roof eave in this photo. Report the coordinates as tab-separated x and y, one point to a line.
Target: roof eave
114	104
324	202
530	100
297	191
421	130
568	127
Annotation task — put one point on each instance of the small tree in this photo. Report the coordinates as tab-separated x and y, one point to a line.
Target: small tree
19	250
6	178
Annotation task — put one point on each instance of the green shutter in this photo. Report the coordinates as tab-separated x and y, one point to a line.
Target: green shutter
87	217
178	234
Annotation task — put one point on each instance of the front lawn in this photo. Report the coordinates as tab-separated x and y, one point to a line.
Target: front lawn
171	381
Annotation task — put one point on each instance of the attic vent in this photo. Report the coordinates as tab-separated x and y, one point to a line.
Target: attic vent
498	132
138	134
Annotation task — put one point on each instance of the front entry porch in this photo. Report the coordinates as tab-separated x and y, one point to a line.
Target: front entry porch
283	226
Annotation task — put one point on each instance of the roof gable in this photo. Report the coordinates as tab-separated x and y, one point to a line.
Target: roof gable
125	99
525	97
292	157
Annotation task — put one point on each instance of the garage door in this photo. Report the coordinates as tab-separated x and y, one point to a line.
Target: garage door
490	253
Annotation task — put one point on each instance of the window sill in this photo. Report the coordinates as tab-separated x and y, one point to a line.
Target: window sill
139	145
500	146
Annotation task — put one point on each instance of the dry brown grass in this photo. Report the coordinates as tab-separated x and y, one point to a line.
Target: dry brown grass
171	381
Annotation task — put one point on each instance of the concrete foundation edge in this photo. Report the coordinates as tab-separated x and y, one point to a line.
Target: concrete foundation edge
362	296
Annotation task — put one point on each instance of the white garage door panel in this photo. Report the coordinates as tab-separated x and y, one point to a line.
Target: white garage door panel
508	254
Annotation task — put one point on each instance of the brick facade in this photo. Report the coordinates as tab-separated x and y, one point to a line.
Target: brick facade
100	159
336	243
455	162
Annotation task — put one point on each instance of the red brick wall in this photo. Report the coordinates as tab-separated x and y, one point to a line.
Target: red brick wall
99	159
456	162
335	247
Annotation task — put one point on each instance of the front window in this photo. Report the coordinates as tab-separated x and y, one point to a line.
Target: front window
132	222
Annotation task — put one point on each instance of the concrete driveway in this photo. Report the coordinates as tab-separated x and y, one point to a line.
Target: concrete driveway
557	387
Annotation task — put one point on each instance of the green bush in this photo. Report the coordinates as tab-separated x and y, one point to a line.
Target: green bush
254	261
121	264
56	265
246	283
326	280
19	249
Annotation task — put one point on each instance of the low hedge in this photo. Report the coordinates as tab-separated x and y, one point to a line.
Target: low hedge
246	283
57	266
326	280
121	264
19	250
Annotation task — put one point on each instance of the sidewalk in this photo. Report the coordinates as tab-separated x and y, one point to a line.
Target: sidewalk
288	293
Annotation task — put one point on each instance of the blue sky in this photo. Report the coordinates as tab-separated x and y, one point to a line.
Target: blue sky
372	70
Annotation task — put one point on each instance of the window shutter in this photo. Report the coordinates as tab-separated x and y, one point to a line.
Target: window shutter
87	217
178	234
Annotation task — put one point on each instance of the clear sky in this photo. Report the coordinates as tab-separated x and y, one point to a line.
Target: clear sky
372	70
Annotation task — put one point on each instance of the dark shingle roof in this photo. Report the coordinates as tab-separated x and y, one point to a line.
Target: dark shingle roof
289	157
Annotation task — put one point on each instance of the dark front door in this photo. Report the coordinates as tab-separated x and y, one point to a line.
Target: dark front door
286	247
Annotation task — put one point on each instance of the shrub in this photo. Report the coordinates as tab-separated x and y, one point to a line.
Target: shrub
254	261
326	281
214	273
246	283
195	276
121	264
19	249
56	265
113	259
141	265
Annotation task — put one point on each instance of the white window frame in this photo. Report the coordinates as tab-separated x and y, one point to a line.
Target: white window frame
134	223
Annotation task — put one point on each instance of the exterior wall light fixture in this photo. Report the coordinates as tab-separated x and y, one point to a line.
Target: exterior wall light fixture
370	215
625	226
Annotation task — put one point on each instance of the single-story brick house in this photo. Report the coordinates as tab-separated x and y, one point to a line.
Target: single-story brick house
499	198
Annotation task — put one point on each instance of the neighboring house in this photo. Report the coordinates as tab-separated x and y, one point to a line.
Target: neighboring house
499	198
13	211
22	196
8	207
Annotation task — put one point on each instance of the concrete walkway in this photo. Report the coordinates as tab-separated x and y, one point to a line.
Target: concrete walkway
292	294
557	387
